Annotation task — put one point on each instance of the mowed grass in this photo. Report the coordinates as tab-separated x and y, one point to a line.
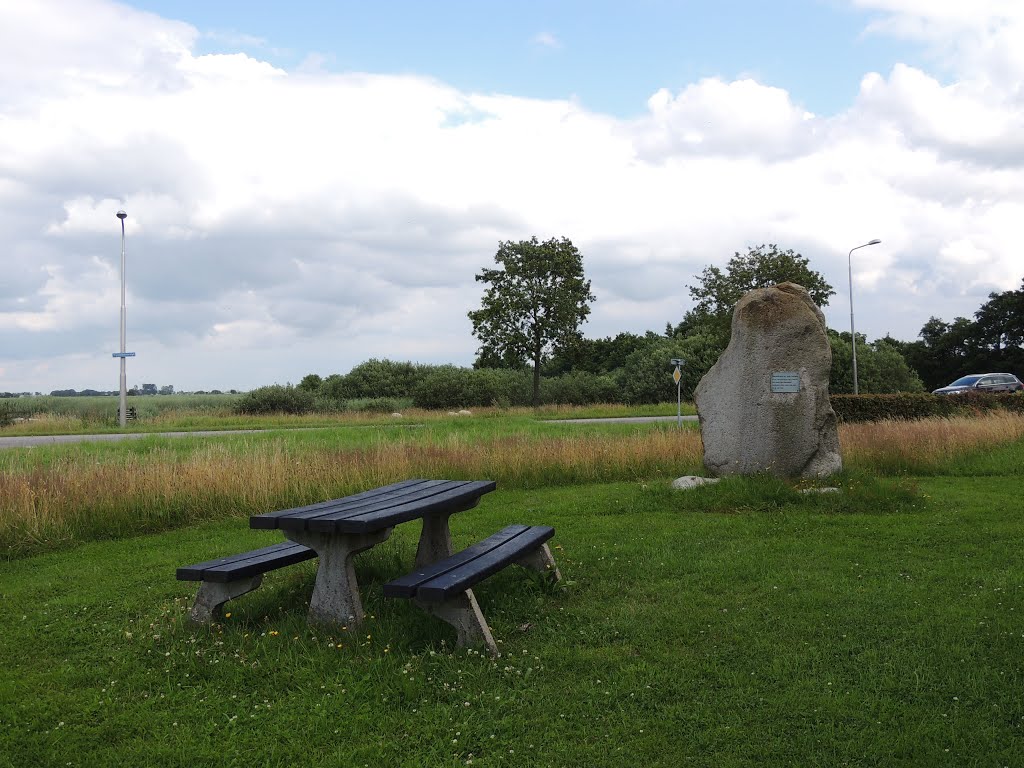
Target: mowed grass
739	624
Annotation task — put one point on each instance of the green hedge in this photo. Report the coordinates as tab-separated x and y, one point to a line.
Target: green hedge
907	406
276	399
579	388
450	387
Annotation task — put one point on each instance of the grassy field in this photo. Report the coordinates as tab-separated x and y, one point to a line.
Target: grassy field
46	415
741	624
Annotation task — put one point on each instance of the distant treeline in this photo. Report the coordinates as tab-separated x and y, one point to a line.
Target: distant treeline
145	389
628	368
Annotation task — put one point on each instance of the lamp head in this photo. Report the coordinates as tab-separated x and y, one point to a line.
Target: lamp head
122	215
873	242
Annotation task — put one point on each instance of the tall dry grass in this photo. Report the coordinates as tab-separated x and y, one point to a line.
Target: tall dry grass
926	445
78	498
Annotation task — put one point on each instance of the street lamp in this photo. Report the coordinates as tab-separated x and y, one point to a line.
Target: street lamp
853	333
123	413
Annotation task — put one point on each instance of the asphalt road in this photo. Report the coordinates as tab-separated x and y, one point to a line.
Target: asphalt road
33	440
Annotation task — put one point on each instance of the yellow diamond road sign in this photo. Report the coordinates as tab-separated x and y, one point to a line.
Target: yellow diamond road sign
676	375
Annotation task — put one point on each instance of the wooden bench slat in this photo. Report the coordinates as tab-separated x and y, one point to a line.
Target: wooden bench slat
326	518
269	520
246	564
198	568
464	577
366	522
350	504
406	586
471	566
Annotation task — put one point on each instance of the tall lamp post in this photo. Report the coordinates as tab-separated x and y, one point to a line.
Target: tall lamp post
853	333
123	412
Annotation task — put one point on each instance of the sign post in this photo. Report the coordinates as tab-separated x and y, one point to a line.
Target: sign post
123	409
677	377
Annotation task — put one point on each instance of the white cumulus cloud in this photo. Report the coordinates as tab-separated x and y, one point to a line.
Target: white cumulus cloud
287	222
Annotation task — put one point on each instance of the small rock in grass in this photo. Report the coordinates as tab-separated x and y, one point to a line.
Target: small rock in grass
692	481
464	412
396	415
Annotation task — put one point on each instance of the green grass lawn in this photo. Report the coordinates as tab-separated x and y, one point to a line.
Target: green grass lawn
739	625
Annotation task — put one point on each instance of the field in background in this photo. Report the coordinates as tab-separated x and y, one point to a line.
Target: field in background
173	413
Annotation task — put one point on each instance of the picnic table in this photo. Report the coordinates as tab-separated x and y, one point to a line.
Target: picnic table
337	530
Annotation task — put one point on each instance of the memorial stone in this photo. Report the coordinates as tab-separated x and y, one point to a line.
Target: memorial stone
764	407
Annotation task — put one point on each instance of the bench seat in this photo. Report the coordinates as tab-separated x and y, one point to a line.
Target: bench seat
229	577
247	563
444	588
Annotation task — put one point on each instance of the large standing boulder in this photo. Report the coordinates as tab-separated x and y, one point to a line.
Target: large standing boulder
764	407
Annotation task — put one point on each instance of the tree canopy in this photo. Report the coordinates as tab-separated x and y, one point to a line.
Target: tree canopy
992	341
717	291
534	303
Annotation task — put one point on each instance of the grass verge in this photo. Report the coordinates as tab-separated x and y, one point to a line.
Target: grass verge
744	624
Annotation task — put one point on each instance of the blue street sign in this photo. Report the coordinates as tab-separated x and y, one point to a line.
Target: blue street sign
123	354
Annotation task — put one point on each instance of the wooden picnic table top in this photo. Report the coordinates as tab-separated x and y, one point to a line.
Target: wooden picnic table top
379	508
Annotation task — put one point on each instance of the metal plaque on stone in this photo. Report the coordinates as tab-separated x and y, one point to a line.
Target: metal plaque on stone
785	381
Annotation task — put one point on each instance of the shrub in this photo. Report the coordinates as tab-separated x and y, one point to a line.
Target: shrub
449	386
325	404
647	375
881	367
378	404
580	388
380	378
311	383
503	388
446	386
276	399
333	387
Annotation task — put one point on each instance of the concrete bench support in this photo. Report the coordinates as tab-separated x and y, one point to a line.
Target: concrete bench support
463	612
210	599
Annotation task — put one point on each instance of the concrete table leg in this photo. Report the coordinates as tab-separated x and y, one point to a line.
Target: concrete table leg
463	612
541	560
212	595
435	540
335	597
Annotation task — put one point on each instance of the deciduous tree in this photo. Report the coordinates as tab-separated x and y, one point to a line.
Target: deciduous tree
534	303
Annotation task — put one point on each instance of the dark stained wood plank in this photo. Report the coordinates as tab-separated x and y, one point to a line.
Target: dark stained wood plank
406	585
449	501
464	576
246	563
346	508
268	520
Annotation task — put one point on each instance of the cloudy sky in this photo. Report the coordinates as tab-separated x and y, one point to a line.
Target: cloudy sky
308	188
